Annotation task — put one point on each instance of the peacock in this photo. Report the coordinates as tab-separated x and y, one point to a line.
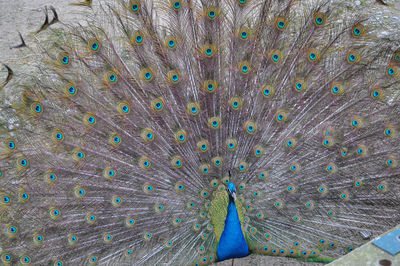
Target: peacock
185	132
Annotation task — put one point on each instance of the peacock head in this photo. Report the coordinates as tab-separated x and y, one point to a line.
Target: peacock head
231	190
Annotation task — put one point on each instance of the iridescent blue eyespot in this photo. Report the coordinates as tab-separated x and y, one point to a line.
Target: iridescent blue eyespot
38	108
91	119
135	7
65	59
11	145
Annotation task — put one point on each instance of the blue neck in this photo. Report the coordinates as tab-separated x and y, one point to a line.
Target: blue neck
232	243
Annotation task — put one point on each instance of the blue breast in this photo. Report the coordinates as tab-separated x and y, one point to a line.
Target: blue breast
232	243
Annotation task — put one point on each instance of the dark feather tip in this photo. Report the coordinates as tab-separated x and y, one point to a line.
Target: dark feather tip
22	44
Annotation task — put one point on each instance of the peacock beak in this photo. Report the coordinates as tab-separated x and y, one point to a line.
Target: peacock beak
232	193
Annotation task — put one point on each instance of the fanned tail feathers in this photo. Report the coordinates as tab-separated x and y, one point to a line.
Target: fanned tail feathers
118	147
